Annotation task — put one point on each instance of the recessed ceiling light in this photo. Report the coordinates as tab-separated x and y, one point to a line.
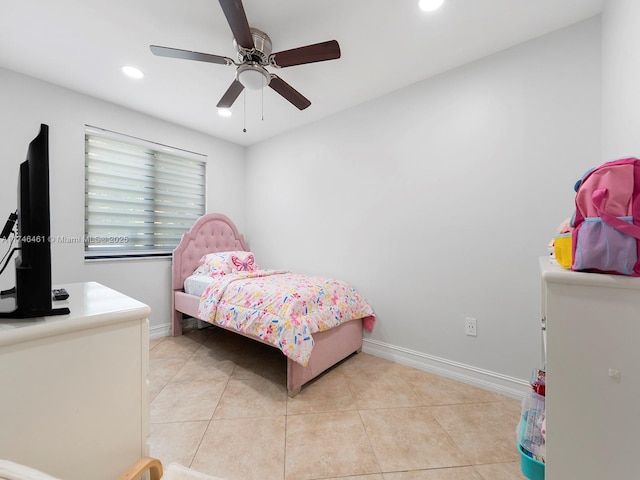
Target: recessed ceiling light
430	5
224	112
132	72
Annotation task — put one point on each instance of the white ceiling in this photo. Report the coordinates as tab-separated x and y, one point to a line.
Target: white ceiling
385	44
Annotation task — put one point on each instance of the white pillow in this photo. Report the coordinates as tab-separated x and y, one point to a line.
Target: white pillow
216	263
201	270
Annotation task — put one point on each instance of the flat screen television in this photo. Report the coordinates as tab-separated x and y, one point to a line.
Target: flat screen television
33	296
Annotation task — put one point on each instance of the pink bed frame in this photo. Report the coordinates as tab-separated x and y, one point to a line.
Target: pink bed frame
217	233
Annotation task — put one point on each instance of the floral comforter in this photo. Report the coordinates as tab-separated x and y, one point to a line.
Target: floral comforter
282	308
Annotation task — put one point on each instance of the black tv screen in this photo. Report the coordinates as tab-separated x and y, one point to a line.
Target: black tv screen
33	263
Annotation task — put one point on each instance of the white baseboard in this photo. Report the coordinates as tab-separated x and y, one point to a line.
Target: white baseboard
164	330
159	331
493	381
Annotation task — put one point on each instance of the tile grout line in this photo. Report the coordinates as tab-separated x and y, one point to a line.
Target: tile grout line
226	385
364	427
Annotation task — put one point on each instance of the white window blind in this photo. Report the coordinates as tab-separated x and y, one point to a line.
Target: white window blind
140	197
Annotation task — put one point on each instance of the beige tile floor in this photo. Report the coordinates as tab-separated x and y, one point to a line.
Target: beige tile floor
219	404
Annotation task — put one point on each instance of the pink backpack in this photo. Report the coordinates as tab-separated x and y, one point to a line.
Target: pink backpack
606	238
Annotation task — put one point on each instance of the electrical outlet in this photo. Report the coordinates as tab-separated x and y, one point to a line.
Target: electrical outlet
470	326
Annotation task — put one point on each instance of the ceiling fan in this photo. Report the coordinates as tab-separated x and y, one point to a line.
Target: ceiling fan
254	55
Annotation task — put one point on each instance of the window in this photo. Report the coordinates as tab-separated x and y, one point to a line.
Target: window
140	197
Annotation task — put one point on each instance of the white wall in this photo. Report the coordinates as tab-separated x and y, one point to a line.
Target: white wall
26	103
435	201
620	79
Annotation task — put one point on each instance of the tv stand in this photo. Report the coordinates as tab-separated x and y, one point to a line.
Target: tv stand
18	312
76	386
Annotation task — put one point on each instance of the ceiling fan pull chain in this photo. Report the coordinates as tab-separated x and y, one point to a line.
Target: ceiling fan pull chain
244	111
262	99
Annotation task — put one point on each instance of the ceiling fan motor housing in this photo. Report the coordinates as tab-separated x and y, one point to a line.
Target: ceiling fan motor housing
261	51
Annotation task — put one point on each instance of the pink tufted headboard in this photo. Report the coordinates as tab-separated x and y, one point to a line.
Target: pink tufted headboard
213	232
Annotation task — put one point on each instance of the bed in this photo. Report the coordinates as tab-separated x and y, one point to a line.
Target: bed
213	233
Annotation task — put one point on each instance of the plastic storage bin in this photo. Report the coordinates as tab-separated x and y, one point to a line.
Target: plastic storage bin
531	468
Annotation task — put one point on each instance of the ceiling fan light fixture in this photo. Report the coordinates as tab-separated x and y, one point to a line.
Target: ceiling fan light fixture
224	112
430	5
253	77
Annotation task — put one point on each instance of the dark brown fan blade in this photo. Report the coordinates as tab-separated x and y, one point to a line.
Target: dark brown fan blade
288	92
189	55
318	52
237	19
230	95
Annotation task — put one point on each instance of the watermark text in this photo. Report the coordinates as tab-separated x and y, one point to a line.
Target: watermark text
82	239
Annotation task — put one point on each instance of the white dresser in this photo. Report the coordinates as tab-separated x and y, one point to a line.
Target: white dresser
593	374
73	388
